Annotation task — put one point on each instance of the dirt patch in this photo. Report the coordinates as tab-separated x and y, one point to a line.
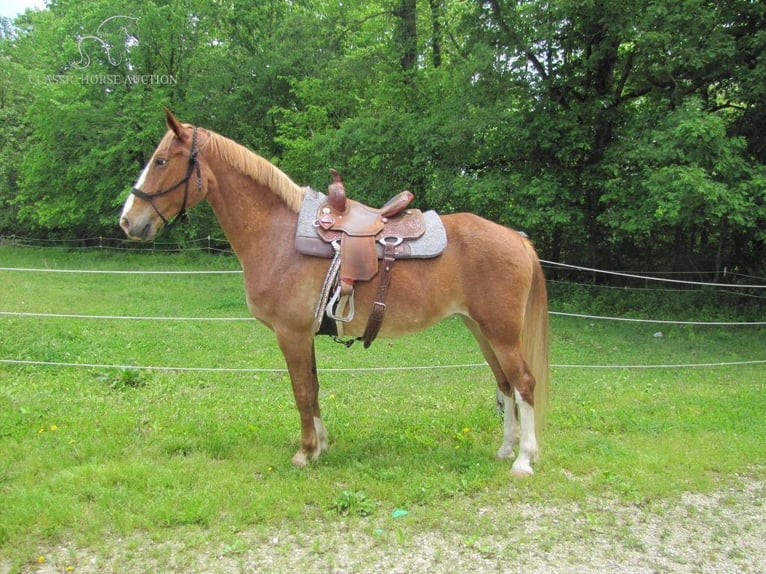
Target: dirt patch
723	532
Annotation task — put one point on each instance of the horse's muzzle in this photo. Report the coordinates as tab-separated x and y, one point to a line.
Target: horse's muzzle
138	230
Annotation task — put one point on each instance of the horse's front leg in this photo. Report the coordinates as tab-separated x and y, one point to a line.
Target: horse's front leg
318	424
301	365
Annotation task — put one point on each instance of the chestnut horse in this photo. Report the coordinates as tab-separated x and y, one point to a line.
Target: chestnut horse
488	274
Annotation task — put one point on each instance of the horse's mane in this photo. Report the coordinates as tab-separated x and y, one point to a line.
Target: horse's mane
262	171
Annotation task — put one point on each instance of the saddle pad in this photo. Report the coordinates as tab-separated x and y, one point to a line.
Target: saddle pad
431	244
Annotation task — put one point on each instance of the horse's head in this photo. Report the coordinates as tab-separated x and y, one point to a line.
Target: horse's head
171	182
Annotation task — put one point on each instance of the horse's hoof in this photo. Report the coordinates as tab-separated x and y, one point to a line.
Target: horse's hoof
299	459
521	470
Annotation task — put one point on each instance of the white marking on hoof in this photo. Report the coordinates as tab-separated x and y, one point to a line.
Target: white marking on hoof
521	469
528	444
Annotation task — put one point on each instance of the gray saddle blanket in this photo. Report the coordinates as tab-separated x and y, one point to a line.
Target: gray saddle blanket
431	244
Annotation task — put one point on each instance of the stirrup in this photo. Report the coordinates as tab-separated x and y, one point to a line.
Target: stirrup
333	303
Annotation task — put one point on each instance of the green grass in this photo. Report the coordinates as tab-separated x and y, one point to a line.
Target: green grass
90	452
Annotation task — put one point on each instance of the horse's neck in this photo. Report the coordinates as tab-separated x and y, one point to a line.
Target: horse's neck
251	216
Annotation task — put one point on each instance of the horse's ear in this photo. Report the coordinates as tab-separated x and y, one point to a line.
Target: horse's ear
174	124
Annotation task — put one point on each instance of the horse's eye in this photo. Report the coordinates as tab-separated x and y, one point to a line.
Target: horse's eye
160	161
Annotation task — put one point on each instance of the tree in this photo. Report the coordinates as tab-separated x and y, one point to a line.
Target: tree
561	85
617	134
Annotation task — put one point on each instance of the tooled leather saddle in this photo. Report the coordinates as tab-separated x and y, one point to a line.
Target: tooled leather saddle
357	233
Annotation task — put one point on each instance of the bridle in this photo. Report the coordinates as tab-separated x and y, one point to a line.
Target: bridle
193	166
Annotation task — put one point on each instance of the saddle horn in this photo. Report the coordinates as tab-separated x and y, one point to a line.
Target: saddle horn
336	192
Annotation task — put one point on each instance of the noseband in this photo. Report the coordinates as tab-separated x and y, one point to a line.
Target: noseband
193	167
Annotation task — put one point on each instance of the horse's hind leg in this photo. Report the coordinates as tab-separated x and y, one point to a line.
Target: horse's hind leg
514	381
521	383
505	400
522	466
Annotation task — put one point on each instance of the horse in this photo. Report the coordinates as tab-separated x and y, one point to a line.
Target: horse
488	274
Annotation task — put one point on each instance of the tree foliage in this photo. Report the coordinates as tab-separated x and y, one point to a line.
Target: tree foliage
625	134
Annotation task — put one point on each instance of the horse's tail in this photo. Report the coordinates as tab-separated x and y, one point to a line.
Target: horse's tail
534	337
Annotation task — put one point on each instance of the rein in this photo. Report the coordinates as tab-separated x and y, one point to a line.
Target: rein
193	166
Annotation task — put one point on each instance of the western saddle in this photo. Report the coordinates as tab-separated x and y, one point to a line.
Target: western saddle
353	229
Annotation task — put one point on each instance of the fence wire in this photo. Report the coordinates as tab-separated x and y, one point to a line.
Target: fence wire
8	313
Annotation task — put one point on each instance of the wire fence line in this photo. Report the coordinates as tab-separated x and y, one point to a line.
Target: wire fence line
224	319
651	277
209	244
723	288
279	370
221	245
644	277
118	317
658	321
239	271
122	271
20	362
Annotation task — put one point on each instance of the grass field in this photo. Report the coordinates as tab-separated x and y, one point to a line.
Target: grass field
95	454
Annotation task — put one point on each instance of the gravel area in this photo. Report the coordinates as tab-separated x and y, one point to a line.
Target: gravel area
723	532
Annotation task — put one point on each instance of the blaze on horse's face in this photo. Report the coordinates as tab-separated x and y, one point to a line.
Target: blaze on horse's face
168	185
